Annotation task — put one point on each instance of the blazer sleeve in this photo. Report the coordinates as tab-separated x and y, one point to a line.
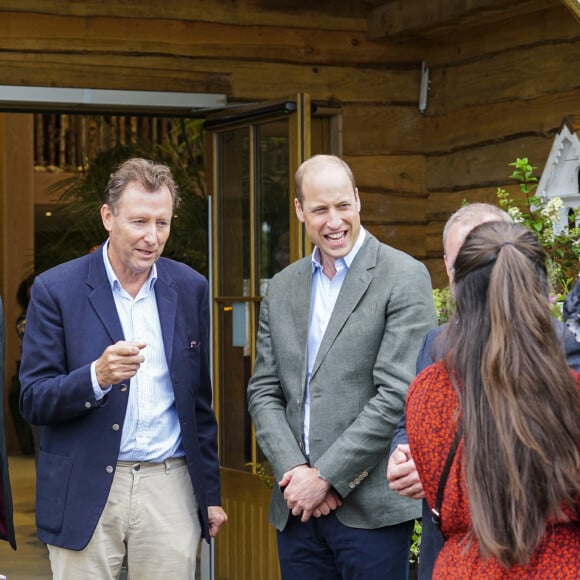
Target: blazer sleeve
204	414
50	393
424	359
267	402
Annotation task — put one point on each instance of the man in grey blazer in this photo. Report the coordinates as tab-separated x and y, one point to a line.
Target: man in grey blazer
338	337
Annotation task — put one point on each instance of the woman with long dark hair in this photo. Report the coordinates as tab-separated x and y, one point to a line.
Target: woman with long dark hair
495	427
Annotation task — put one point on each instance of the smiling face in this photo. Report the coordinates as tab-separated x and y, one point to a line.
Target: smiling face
138	230
330	211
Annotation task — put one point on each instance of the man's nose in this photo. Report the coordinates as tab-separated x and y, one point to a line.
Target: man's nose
150	232
334	219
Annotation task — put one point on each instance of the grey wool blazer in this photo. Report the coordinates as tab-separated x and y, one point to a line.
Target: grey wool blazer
359	382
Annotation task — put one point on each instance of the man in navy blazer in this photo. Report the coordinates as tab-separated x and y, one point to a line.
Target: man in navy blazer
6	511
115	368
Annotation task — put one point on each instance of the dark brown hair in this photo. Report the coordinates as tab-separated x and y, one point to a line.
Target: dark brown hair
519	401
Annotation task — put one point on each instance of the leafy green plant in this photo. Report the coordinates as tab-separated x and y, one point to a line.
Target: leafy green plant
265	476
443	300
415	550
182	152
541	216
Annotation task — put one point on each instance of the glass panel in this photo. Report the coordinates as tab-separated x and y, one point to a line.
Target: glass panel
273	203
234	211
273	208
254	212
233	282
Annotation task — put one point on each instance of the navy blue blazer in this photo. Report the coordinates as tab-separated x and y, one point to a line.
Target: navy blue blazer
70	321
431	350
6	511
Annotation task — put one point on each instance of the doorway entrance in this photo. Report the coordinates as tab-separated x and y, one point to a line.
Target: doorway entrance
255	234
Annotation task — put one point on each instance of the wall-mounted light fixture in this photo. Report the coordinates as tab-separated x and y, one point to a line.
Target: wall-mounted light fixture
425	86
22	98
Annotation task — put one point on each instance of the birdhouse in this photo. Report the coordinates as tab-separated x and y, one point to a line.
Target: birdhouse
561	176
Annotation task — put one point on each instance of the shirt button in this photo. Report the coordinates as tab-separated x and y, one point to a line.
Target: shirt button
123	388
115	427
109	469
88	405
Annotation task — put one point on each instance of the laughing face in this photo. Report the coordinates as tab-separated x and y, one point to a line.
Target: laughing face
138	230
330	211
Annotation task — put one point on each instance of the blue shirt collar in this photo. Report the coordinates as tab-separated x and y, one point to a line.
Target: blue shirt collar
345	261
114	280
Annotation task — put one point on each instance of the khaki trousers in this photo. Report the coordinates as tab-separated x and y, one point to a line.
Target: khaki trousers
151	515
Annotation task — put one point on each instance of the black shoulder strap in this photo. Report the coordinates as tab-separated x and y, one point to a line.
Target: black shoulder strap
436	511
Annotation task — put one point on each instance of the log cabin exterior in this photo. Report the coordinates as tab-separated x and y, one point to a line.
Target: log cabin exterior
502	76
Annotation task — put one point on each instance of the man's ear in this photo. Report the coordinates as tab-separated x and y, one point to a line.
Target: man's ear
106	216
299	211
356	196
448	269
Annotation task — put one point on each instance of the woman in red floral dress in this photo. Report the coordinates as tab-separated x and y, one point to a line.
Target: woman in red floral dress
511	500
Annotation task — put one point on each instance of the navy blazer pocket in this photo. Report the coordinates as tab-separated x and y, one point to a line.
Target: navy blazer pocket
51	490
192	351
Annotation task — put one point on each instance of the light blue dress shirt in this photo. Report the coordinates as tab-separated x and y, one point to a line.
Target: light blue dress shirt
323	298
151	430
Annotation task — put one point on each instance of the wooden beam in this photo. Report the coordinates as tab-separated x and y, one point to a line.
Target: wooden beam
416	17
574	5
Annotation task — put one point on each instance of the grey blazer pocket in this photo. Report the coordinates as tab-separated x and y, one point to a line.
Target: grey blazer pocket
51	490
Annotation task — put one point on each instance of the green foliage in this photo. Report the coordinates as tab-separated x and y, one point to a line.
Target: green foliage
541	215
265	476
182	153
415	543
443	300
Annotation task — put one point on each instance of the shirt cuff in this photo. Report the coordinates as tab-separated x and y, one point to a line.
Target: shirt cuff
99	393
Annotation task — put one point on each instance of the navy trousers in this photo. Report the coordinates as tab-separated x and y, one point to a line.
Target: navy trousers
325	549
431	543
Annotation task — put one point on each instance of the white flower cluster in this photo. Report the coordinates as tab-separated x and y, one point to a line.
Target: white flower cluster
516	214
552	209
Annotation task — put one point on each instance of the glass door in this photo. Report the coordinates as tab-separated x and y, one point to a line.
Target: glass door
255	234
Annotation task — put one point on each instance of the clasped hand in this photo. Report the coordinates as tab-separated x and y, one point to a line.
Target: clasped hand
402	474
308	495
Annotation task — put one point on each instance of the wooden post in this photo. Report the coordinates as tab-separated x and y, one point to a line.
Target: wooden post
16	232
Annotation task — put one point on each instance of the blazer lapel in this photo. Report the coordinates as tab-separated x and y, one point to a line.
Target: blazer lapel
101	297
355	285
300	294
167	307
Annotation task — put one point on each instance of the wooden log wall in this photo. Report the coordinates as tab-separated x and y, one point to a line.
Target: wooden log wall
251	50
497	93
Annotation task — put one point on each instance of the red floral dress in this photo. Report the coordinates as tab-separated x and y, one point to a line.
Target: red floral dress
431	415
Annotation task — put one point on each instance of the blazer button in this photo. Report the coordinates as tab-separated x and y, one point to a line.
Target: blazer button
88	405
109	469
123	388
351	485
115	427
